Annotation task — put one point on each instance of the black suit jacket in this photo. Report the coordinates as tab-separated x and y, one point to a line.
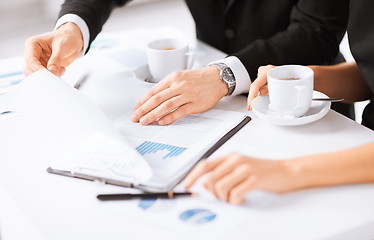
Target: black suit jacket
361	41
258	32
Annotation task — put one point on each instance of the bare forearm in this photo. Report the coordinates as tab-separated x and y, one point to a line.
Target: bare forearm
355	165
341	80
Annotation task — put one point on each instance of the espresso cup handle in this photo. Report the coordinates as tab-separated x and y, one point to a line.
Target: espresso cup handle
190	59
301	90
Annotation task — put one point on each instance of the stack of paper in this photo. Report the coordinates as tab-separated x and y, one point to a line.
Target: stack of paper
150	157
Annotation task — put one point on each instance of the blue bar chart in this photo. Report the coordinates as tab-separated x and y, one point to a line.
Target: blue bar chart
162	150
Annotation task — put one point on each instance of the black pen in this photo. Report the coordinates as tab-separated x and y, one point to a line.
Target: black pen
129	196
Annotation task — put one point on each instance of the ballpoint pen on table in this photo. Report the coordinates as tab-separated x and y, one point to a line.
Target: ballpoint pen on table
7	114
129	196
81	81
328	99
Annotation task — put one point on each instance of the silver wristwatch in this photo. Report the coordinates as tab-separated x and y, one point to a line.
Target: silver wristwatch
226	75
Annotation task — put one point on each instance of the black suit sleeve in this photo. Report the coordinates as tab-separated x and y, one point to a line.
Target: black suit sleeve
312	37
93	12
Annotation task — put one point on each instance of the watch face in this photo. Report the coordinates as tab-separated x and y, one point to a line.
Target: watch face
228	75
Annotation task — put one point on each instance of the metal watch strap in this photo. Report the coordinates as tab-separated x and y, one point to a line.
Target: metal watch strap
226	75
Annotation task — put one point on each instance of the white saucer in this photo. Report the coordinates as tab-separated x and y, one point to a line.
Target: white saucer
142	74
317	110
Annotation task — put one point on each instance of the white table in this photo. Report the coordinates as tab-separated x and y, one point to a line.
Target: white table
38	205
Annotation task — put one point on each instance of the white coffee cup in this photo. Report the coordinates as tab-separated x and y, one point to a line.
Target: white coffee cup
290	90
168	55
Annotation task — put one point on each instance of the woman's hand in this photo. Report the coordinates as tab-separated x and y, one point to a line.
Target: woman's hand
232	176
260	85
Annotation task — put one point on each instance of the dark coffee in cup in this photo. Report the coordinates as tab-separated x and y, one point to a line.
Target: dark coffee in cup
292	97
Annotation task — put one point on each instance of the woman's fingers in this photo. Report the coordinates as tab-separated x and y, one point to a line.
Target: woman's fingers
237	193
231	162
259	86
224	186
200	169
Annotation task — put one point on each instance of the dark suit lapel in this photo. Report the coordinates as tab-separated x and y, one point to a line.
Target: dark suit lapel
229	5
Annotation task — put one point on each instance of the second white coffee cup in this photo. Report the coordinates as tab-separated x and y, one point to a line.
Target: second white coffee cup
290	90
168	55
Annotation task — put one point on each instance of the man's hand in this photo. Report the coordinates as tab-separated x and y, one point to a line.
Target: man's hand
54	50
180	94
229	178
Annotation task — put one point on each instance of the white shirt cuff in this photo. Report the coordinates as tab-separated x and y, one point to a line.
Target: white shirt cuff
80	23
243	81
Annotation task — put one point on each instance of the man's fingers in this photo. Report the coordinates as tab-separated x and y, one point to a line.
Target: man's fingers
31	66
154	110
33	57
154	101
161	86
63	54
62	70
175	115
200	169
55	63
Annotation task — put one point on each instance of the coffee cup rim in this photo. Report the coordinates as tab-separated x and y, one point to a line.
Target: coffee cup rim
309	72
182	44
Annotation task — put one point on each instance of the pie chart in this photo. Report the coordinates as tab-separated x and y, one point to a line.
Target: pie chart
197	216
156	205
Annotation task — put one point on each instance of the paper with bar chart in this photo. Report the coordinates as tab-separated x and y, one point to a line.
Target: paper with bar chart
122	153
173	149
11	74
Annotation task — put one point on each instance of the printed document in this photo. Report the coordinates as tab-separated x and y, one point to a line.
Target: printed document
152	158
172	150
